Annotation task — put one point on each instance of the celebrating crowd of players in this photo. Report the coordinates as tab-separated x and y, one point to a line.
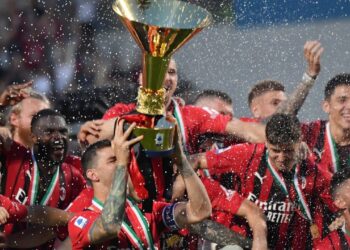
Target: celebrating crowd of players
265	182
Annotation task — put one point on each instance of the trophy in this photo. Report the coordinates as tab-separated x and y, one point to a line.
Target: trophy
159	27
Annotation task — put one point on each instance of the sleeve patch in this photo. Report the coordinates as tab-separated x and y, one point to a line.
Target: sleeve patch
80	222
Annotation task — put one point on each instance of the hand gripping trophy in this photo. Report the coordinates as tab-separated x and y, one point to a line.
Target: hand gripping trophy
159	27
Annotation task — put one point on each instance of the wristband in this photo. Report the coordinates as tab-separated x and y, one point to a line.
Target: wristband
169	217
308	79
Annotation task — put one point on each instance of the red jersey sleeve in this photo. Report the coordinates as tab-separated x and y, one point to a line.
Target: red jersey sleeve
231	159
118	109
78	228
16	210
204	120
222	199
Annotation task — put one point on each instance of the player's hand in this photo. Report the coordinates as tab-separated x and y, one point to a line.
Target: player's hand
15	93
89	129
312	53
121	143
4	215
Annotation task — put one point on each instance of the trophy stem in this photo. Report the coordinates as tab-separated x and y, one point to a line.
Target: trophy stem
154	70
151	96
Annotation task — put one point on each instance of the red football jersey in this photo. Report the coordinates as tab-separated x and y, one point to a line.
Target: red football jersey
331	156
19	177
336	240
130	235
259	185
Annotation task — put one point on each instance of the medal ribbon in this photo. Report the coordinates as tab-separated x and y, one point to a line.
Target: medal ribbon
35	185
305	211
143	222
131	234
332	148
304	207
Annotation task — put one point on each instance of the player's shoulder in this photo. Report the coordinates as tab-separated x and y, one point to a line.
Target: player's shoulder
82	219
119	109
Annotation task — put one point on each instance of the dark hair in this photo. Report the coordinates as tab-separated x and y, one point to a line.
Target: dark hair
339	178
88	159
283	129
214	93
41	114
262	87
338	80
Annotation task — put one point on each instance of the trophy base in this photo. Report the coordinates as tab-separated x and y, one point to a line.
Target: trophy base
151	154
158	134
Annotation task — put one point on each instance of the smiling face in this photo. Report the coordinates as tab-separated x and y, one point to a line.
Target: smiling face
283	156
338	107
50	139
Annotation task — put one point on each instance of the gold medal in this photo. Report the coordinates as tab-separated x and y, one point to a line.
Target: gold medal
314	231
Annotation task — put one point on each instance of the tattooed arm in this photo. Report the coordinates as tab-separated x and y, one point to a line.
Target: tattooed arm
108	225
312	53
198	206
217	233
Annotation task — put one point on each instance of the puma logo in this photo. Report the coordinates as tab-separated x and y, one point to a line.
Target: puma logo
259	177
318	152
28	174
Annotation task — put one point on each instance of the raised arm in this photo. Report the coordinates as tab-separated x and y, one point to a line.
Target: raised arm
219	234
47	216
108	224
12	95
312	53
93	131
247	131
198	206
